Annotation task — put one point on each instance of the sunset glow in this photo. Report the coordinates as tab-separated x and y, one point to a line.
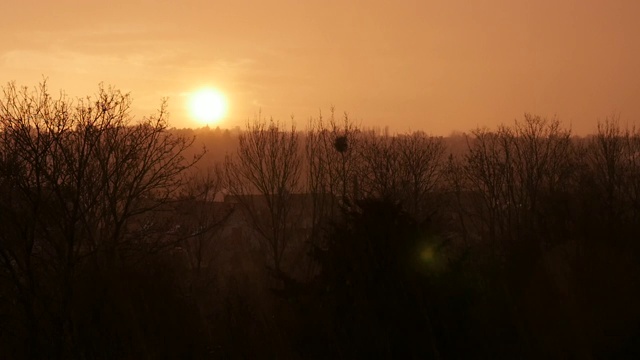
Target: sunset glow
437	66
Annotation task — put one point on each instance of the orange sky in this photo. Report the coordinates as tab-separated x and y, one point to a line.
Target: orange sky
432	65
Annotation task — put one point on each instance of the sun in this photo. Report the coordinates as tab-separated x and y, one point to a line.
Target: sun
208	106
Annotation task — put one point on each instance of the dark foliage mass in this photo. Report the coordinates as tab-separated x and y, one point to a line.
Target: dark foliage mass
124	239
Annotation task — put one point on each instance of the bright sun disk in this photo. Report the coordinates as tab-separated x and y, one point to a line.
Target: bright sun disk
208	106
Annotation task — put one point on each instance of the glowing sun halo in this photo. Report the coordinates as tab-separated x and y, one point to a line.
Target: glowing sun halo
208	106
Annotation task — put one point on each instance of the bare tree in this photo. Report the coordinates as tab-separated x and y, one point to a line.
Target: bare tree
263	178
379	167
203	217
512	172
330	162
612	160
405	168
332	151
512	189
75	177
421	158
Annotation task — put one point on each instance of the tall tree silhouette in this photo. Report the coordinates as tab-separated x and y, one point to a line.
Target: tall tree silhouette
75	175
263	177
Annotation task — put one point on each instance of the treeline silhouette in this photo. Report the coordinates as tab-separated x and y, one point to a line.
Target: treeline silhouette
125	239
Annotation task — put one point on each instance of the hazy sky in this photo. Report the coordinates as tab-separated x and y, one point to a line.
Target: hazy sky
431	65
